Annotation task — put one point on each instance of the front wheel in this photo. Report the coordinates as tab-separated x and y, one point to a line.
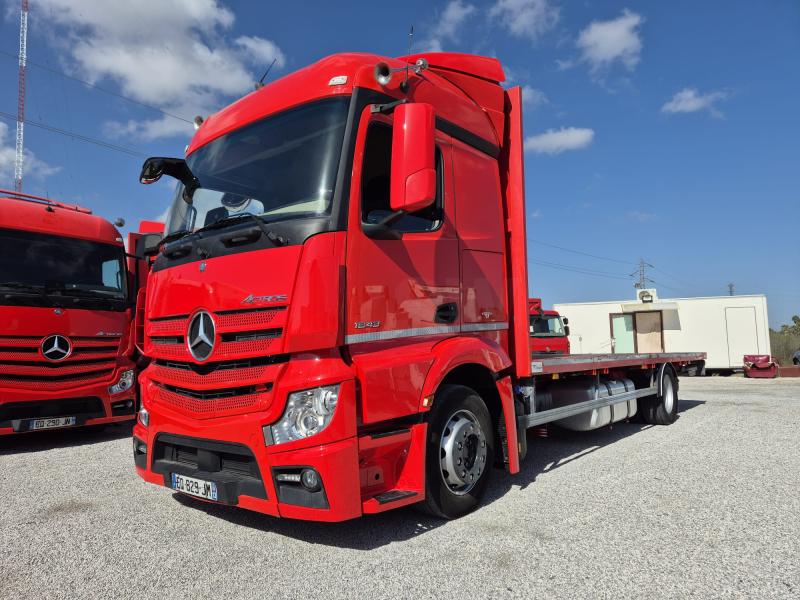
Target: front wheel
662	409
459	452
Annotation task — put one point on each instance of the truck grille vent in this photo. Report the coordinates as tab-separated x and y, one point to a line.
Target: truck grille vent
251	336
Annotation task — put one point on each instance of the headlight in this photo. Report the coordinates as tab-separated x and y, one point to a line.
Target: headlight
124	383
307	413
144	416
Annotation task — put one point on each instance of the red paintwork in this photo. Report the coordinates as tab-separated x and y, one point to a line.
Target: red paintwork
546	345
357	311
27	327
413	181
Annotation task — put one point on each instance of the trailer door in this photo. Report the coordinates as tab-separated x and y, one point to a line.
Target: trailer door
740	324
649	334
622	341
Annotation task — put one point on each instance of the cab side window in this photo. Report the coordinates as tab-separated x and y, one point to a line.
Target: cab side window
375	177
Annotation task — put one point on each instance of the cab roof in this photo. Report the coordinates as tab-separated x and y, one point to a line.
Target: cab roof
463	90
41	215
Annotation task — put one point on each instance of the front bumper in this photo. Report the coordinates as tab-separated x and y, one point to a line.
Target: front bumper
91	404
231	450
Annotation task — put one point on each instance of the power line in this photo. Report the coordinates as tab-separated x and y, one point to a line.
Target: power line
95	87
77	136
623	262
581	270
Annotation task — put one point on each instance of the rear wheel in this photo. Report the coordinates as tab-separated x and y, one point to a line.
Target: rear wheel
662	409
459	452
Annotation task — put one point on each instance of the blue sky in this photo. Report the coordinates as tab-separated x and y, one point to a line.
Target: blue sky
667	131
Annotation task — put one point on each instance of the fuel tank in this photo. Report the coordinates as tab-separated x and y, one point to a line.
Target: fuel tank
574	391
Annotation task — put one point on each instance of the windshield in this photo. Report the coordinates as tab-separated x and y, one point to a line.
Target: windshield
545	326
281	167
37	262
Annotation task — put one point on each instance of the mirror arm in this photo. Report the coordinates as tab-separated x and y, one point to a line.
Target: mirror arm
386	108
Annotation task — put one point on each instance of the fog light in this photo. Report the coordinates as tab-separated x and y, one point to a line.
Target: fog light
310	480
124	383
144	417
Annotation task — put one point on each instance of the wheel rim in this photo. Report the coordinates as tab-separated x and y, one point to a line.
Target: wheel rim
462	452
668	395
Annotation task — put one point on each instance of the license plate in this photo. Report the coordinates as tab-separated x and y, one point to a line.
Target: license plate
50	423
194	487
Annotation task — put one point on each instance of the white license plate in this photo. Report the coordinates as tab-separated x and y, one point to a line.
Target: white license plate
194	487
52	422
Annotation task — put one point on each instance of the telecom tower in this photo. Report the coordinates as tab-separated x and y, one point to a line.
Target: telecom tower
23	55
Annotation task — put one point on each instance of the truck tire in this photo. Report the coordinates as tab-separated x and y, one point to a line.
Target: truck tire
662	409
459	452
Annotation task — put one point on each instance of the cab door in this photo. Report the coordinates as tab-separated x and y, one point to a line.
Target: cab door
403	295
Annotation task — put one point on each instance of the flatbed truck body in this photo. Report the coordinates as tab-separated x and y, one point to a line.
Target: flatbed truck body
337	322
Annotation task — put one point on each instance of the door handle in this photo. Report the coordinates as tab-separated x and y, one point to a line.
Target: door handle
446	313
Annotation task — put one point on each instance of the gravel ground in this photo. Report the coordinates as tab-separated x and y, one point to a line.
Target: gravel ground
708	507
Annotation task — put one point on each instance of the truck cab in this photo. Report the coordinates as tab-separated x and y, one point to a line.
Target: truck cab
549	331
65	318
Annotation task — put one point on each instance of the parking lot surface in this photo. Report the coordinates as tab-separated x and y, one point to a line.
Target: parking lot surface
708	507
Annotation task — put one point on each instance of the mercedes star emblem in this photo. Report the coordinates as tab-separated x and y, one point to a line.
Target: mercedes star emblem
56	347
200	336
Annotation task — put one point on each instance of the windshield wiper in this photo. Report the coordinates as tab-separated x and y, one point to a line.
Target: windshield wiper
175	235
90	293
276	239
18	285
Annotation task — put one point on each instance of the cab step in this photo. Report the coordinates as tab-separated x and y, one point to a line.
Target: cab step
390	499
394	496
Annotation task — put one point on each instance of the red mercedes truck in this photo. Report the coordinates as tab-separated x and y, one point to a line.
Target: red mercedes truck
338	319
549	331
65	317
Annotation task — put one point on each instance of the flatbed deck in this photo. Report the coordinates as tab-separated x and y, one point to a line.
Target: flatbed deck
593	363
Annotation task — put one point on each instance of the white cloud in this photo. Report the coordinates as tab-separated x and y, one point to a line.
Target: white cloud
602	43
640	216
556	141
535	214
447	25
690	100
526	18
160	53
533	97
32	167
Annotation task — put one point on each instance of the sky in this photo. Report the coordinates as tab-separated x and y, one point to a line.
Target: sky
662	131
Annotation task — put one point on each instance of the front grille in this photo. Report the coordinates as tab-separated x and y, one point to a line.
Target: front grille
240	333
239	374
83	408
233	467
205	405
22	365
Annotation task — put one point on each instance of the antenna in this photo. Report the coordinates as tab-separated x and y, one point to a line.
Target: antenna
260	83
404	86
23	59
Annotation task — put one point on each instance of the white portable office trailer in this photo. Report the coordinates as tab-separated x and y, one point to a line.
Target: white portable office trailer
725	327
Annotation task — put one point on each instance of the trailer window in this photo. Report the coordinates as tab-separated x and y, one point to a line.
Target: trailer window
375	185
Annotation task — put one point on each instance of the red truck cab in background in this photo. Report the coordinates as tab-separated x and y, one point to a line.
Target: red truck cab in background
549	331
338	318
65	318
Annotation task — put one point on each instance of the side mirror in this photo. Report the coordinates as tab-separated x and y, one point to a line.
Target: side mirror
413	180
156	166
566	320
566	330
152	170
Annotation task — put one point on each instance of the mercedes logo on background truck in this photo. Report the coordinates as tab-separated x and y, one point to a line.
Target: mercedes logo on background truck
200	336
56	347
